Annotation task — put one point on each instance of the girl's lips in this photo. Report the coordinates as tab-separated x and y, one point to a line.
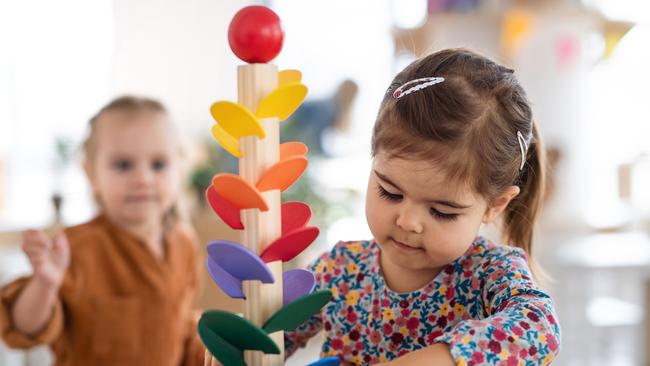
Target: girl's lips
140	199
403	246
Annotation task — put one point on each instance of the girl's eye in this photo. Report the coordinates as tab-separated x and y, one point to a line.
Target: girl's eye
159	165
397	197
442	215
122	165
387	195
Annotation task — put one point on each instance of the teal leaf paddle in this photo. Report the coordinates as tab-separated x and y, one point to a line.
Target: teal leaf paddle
292	315
227	335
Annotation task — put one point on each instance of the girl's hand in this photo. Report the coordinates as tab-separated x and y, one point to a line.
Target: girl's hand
50	257
437	354
208	360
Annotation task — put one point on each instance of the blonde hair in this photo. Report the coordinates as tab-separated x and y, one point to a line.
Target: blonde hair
127	103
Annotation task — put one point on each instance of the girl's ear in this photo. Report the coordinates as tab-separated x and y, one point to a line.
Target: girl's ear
499	204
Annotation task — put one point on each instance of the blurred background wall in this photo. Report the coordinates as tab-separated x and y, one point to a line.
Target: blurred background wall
583	64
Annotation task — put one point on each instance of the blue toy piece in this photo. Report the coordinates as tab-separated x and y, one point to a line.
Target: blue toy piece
329	361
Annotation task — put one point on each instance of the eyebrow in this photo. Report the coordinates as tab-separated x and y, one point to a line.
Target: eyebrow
440	202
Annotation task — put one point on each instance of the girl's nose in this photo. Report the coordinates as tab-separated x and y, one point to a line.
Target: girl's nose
143	175
409	221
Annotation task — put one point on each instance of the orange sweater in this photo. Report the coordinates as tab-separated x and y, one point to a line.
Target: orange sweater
118	304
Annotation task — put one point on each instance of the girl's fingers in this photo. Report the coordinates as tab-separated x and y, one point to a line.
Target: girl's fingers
39	236
29	234
35	253
61	251
41	250
60	242
35	250
35	246
36	239
207	358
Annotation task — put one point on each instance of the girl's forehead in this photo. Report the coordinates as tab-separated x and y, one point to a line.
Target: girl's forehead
421	168
420	175
122	120
141	130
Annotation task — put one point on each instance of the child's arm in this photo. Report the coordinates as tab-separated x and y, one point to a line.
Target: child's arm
520	322
35	304
437	355
34	307
301	335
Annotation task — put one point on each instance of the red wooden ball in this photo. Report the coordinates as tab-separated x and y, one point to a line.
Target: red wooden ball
255	34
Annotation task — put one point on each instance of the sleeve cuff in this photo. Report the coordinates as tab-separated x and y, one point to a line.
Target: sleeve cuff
16	339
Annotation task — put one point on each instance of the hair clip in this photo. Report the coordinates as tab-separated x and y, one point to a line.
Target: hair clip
523	147
425	82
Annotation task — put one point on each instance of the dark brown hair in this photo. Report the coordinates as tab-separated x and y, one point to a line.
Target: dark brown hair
131	105
467	125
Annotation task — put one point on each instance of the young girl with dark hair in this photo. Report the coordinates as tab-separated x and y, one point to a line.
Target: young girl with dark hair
454	147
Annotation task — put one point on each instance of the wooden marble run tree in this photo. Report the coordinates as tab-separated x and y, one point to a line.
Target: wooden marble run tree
272	232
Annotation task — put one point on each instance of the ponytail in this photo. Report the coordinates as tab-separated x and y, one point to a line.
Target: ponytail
520	215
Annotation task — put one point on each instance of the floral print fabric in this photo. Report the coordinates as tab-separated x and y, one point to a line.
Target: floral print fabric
484	305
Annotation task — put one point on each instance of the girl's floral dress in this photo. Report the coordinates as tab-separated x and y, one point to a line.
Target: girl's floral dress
484	305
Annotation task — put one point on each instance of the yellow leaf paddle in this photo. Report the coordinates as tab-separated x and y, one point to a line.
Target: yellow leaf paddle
282	102
236	120
226	140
